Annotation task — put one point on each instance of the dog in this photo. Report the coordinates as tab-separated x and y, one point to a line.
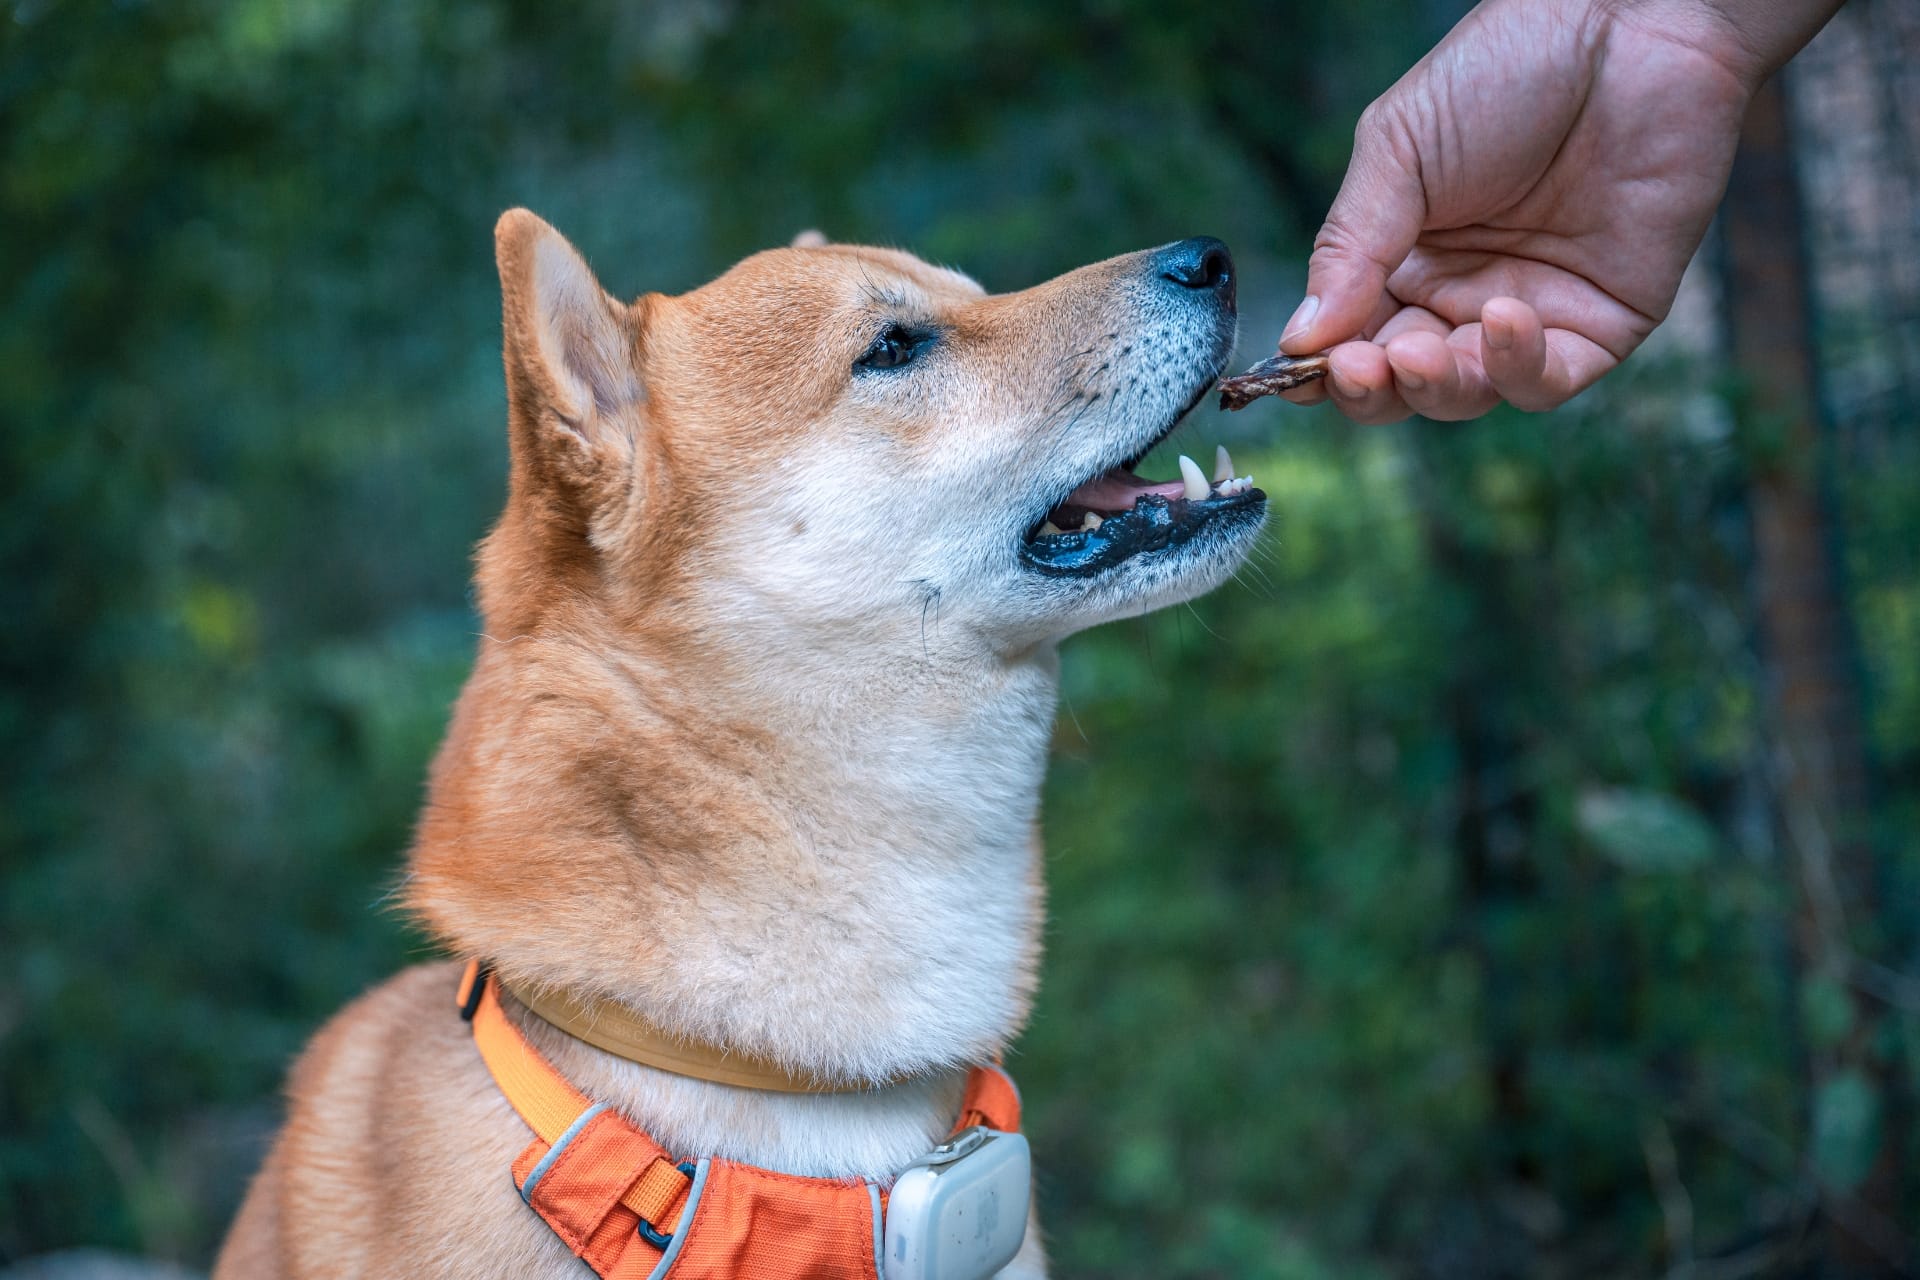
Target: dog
752	748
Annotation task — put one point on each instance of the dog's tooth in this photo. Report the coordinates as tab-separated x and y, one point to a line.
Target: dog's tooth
1196	483
1048	529
1222	465
1092	520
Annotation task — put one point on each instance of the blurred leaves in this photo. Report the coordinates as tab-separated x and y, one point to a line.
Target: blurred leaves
1847	1129
1646	831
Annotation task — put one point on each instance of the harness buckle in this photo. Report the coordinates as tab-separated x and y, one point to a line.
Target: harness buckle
648	1232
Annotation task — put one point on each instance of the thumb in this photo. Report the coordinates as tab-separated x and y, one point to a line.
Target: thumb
1368	233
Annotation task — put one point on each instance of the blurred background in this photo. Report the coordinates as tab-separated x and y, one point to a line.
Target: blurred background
1512	875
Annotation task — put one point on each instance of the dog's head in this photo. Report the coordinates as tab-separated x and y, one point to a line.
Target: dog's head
831	444
755	738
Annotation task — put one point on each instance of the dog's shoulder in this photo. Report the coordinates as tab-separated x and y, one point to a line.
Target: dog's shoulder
396	1146
366	1058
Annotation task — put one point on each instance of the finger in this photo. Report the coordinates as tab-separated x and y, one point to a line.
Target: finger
1385	321
1452	285
1360	384
1374	221
1513	347
1389	319
1429	373
1423	372
1410	319
1532	367
1383	313
1440	376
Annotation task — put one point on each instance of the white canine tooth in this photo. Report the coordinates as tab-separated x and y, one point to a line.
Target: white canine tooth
1196	483
1092	520
1048	529
1222	465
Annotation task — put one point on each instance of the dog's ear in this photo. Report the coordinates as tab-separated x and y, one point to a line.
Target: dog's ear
571	364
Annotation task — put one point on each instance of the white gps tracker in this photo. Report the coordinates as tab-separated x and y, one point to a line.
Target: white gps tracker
960	1211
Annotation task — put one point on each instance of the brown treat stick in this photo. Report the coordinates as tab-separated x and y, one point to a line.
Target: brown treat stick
1270	377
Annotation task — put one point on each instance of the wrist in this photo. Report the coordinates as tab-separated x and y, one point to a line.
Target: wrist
1750	39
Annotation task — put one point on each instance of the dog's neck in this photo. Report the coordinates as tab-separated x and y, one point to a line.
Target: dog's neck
836	869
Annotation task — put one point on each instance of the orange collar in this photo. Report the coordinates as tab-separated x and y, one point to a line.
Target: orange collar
630	1210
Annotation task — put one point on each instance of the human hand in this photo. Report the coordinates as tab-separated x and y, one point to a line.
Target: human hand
1521	204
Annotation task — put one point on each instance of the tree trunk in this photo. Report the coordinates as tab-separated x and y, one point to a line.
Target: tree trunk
1817	746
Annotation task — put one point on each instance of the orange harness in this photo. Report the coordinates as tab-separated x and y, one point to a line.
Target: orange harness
631	1211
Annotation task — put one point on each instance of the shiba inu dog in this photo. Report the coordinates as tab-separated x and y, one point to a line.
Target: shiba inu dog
752	748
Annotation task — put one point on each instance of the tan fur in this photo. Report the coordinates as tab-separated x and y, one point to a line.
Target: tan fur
754	736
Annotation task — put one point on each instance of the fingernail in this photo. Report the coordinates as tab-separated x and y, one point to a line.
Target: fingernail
1302	318
1499	333
1341	387
1408	380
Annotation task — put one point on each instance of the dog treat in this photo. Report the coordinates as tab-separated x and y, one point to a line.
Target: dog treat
1270	377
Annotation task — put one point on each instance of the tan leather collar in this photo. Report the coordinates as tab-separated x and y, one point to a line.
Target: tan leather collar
624	1033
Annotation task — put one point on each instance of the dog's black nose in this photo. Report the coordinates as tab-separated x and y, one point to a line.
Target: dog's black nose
1199	263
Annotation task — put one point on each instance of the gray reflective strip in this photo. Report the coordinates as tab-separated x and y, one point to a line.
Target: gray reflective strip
879	1231
686	1222
559	1145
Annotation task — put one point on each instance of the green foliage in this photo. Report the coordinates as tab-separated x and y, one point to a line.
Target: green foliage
1646	831
1847	1130
1397	889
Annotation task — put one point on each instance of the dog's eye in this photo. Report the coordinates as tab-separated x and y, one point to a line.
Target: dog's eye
890	350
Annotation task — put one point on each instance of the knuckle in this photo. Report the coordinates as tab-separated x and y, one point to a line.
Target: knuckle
1337	237
1371	123
1340	243
1384	134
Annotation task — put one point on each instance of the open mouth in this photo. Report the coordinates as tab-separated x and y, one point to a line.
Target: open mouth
1117	515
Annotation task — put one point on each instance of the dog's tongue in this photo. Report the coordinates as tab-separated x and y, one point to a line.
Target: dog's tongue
1115	491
